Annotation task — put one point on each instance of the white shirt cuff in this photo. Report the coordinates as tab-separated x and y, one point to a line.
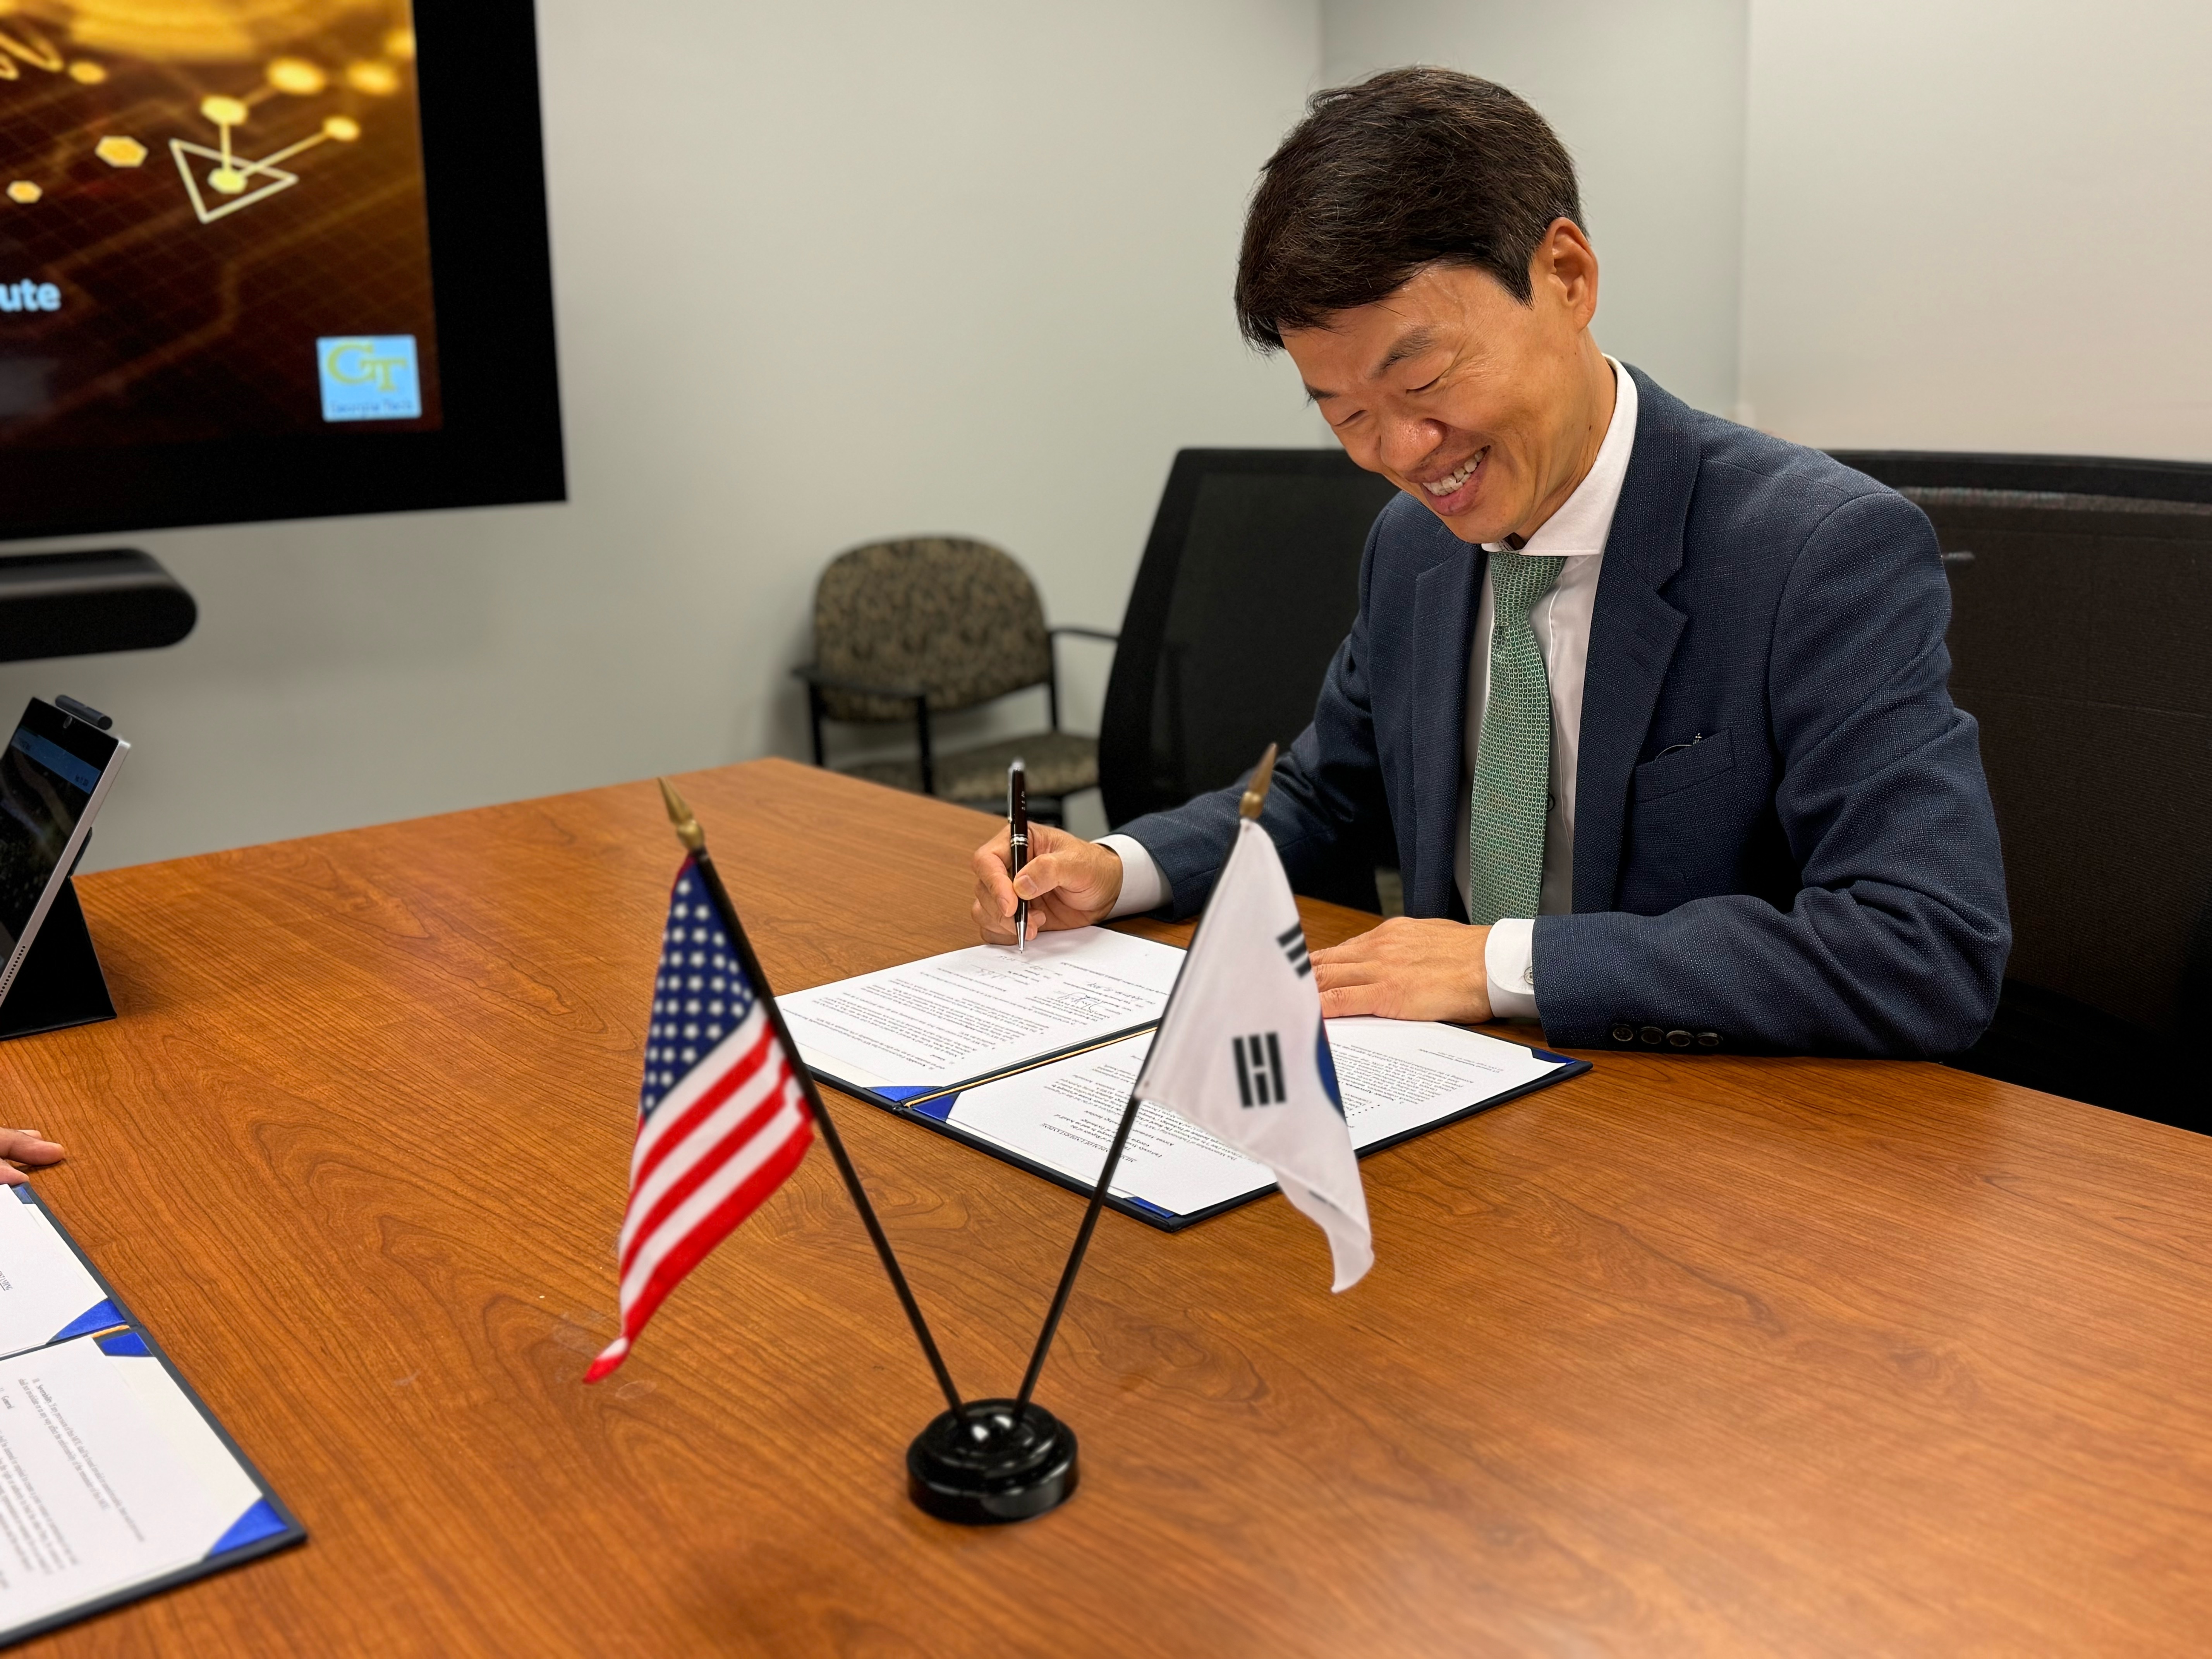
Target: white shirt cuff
1509	957
1143	887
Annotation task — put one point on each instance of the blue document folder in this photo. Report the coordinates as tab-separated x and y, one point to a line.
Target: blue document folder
116	1481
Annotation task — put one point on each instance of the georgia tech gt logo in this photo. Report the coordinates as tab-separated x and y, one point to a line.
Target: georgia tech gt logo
369	377
357	362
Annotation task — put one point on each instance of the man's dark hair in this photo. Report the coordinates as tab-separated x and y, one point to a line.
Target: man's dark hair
1407	169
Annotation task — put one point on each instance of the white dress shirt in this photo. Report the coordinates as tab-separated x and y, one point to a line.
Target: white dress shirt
1575	536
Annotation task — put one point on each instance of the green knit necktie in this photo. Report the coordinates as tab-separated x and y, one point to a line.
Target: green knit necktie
1513	760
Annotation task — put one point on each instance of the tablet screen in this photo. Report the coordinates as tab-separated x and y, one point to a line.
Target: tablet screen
48	773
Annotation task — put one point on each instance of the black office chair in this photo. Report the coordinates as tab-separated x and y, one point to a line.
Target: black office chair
1249	582
2081	593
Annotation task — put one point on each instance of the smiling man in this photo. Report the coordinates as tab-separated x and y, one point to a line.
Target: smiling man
1650	708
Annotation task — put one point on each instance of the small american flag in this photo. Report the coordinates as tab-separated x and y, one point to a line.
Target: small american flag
722	1119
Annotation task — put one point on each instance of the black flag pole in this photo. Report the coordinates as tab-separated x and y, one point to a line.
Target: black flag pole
1008	1459
1075	1255
694	842
1255	797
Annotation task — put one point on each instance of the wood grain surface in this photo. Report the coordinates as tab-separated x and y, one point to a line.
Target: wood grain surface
1693	1355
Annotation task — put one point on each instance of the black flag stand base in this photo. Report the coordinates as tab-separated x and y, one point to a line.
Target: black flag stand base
993	1461
990	1462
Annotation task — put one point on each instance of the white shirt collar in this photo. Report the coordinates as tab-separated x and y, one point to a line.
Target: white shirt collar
1585	519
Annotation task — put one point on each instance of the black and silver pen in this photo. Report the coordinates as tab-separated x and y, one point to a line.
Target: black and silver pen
1017	852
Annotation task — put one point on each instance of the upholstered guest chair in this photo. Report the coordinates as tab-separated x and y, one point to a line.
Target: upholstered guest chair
908	631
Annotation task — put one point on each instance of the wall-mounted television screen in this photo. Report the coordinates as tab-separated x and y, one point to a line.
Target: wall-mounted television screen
270	259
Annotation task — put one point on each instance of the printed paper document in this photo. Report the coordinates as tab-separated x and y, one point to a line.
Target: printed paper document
109	1476
44	1289
1396	1077
950	1019
113	1481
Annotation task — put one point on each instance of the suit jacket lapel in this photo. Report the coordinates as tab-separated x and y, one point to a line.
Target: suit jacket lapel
1443	598
1633	632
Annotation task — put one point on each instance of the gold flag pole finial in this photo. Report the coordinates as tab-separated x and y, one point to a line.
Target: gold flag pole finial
687	827
1256	793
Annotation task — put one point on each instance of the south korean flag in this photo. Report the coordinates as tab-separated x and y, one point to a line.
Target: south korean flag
1242	1053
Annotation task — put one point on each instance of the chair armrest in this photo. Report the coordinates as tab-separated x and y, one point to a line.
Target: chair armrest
1052	648
815	676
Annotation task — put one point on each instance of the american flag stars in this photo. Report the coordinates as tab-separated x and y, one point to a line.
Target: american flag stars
699	995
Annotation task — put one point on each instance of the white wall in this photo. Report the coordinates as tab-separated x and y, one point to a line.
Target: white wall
1981	227
853	268
826	273
1649	99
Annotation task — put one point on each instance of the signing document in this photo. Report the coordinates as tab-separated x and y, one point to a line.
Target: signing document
113	1481
907	1033
1397	1079
47	1292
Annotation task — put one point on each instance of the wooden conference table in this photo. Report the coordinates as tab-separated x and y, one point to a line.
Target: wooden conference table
1690	1355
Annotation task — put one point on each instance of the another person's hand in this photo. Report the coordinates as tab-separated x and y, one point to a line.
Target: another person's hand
25	1146
1069	882
1407	969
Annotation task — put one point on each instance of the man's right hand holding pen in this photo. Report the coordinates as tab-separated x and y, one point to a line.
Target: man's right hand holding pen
1068	882
1406	969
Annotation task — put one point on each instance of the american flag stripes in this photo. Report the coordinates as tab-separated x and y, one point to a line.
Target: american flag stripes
722	1119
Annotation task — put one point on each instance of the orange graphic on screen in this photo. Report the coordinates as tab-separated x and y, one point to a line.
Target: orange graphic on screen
206	188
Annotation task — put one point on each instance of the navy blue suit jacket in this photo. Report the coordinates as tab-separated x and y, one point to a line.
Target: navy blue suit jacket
1819	874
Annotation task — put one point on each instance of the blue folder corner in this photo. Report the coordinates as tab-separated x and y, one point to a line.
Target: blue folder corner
126	1345
257	1522
98	1317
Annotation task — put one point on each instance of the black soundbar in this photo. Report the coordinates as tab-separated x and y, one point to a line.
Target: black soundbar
78	605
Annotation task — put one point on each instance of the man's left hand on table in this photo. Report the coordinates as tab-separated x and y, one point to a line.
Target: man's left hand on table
1408	968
